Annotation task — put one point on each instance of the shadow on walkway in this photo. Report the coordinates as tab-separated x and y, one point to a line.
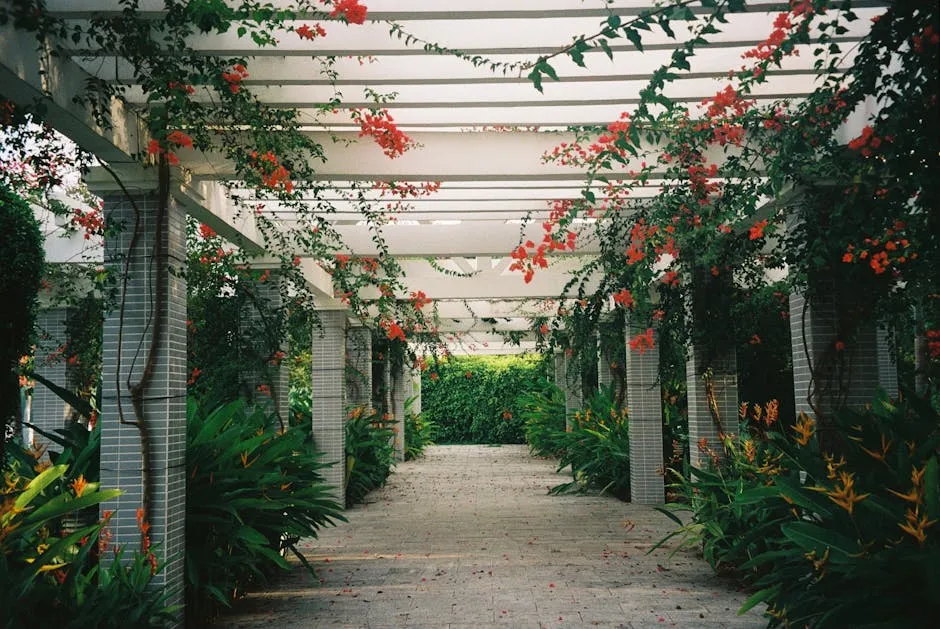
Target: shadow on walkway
468	537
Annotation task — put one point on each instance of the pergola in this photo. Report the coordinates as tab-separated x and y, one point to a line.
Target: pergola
480	133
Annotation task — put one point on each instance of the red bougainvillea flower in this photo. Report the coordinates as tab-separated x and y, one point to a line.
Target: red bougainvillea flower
757	230
434	376
350	10
419	299
839	346
381	127
624	298
179	139
643	341
206	232
392	330
153	147
305	32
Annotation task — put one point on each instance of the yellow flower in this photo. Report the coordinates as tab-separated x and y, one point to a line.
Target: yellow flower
846	496
879	455
832	466
916	525
805	428
749	451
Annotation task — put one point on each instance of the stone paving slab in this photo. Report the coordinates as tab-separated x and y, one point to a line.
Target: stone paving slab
467	537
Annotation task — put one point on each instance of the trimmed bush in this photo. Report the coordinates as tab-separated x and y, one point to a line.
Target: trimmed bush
477	399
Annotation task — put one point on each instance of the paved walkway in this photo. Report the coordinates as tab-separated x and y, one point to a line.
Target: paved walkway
468	538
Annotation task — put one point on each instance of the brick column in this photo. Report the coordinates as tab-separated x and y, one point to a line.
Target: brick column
724	383
400	391
164	406
267	382
359	366
827	375
47	410
605	377
646	422
574	400
328	380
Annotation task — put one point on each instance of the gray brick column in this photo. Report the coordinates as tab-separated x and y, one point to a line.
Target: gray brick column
400	391
646	423
827	375
559	372
328	380
724	383
605	377
47	410
270	372
164	406
574	400
359	366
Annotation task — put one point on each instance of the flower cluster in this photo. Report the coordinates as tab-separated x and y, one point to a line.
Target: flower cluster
273	173
349	10
234	77
381	127
91	221
305	32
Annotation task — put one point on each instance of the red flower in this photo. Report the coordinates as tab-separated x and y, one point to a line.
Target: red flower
153	147
180	139
468	375
434	376
305	32
351	10
643	341
839	346
848	257
206	232
757	230
625	298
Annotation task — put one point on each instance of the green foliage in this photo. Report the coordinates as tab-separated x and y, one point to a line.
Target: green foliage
476	399
544	416
419	431
370	452
51	574
252	491
839	538
597	448
21	257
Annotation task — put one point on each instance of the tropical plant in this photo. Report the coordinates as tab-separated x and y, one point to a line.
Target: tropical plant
370	451
544	416
827	538
54	574
597	448
419	431
253	489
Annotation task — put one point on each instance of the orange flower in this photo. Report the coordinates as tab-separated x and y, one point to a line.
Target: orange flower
757	230
845	496
805	428
79	485
916	525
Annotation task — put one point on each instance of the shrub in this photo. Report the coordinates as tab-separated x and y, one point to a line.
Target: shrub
21	262
543	414
476	399
370	452
597	448
419	431
252	491
830	537
50	574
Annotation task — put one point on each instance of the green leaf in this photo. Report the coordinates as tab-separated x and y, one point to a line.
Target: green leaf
814	537
39	483
613	20
536	77
759	597
669	514
634	36
606	48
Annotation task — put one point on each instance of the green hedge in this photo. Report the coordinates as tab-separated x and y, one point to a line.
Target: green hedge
476	399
